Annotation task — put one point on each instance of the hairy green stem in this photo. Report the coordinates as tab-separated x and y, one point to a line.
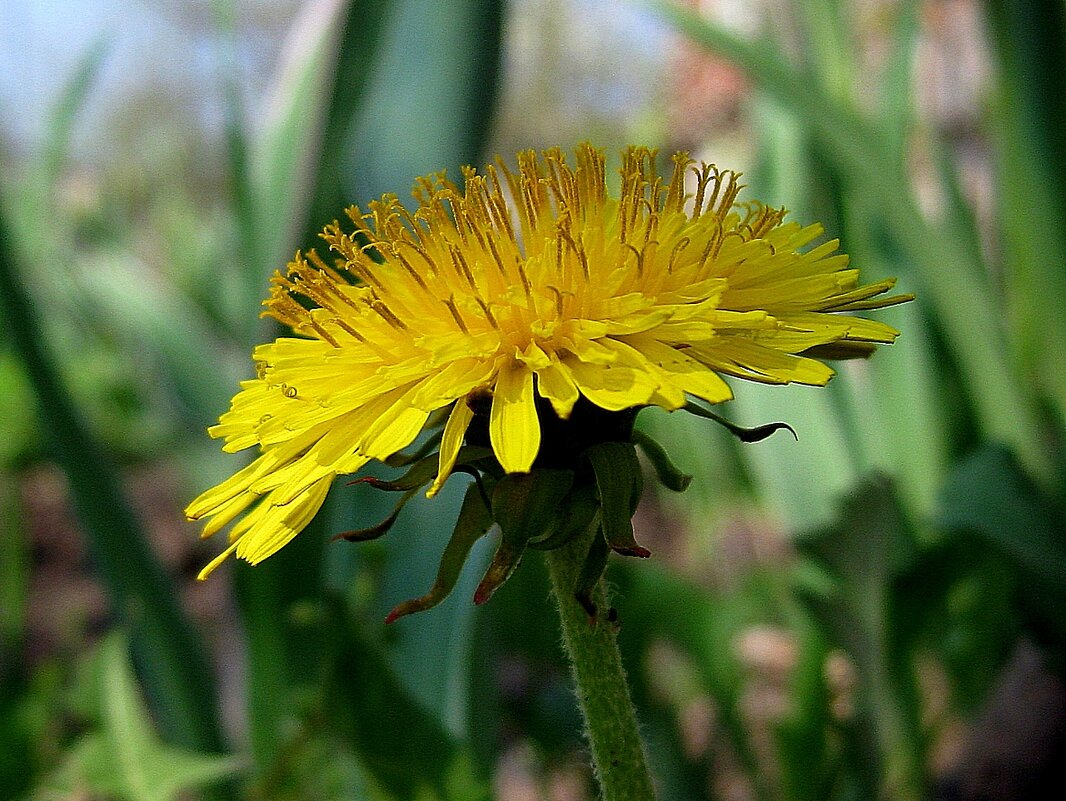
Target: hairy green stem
618	755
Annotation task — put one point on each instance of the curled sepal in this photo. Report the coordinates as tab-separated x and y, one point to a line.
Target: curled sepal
756	434
668	474
474	520
620	484
525	506
591	573
381	529
423	471
574	516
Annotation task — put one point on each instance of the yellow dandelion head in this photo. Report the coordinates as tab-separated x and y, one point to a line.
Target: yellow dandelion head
525	299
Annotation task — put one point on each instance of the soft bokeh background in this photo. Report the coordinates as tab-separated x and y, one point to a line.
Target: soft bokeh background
875	611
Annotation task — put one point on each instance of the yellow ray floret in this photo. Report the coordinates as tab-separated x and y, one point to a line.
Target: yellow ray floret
526	284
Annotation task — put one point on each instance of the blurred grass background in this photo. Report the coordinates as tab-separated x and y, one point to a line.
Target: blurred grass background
876	611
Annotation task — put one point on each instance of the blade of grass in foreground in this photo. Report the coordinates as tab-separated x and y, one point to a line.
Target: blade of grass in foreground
245	282
173	665
430	98
294	166
386	59
427	105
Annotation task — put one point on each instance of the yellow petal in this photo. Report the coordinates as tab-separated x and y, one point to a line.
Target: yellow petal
747	359
682	371
555	385
393	432
612	387
514	429
450	443
279	524
456	379
214	563
225	514
211	500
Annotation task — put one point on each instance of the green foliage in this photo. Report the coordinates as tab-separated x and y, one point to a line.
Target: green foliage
991	498
174	664
404	747
861	556
121	758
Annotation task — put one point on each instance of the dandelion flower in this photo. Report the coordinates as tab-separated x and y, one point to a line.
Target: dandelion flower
503	306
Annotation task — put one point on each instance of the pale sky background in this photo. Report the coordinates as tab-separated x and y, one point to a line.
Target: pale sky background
170	48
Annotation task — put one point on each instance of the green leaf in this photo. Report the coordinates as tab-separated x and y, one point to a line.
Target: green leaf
990	495
665	470
125	759
959	600
863	552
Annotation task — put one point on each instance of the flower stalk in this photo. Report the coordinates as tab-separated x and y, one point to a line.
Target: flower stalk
618	755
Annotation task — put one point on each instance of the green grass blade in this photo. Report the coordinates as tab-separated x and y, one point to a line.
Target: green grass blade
279	602
427	106
294	166
65	111
897	81
249	257
943	275
1028	124
430	99
400	742
456	49
360	49
830	44
317	89
174	666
